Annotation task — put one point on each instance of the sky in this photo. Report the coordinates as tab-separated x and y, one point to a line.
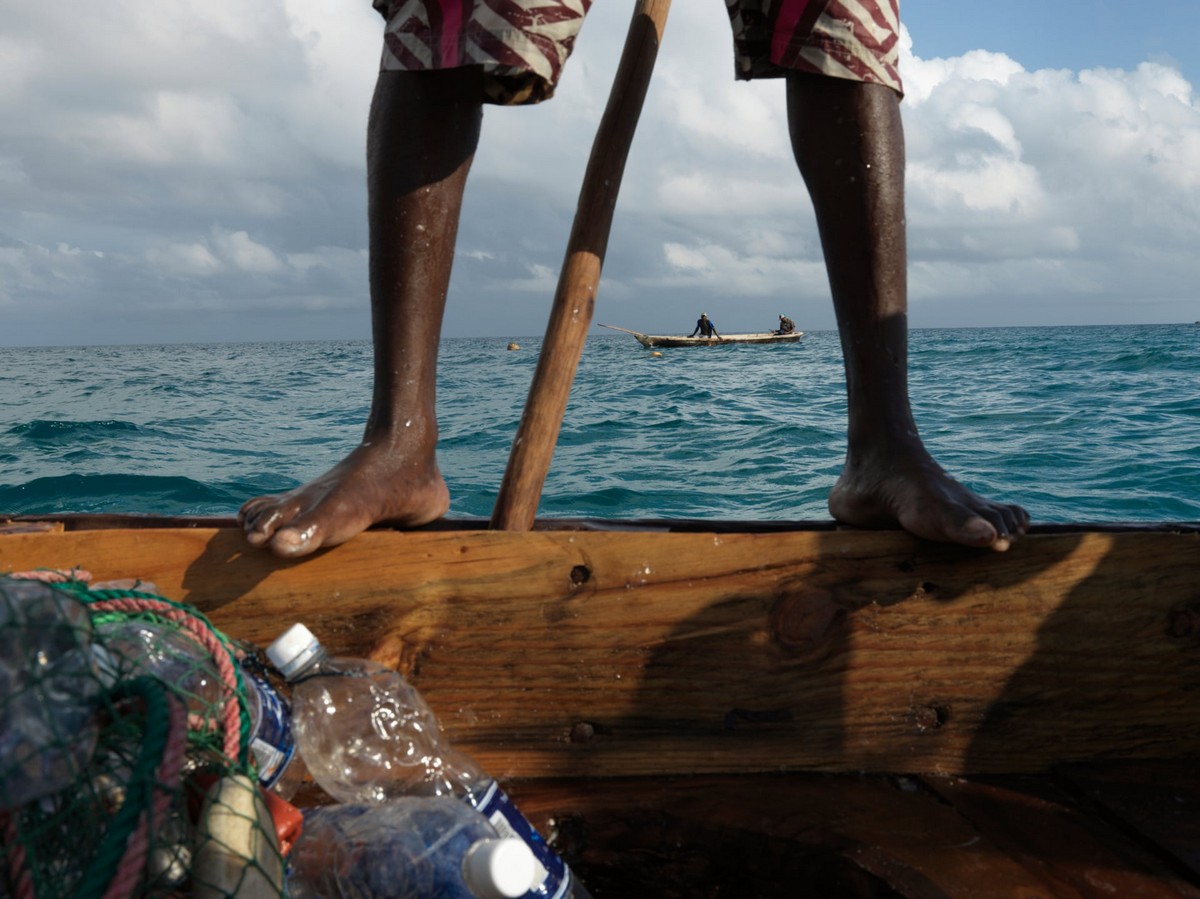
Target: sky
190	172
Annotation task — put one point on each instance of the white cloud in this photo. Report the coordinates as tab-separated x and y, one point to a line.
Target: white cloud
327	107
1050	190
979	183
193	259
171	129
923	76
738	272
244	254
687	258
540	279
211	156
19	59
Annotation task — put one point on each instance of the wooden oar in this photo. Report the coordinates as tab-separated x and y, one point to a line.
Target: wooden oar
626	330
575	298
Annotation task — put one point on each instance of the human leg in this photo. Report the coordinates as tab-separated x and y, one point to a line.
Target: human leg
422	134
441	60
849	144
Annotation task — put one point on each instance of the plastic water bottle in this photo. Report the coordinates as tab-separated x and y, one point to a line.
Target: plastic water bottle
367	736
407	848
49	691
144	645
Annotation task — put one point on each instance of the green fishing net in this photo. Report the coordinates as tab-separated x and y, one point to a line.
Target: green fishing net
125	768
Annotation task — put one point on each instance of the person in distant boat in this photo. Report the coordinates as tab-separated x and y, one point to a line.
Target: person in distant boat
442	61
705	327
786	325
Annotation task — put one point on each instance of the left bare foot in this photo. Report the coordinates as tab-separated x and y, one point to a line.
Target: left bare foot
911	490
375	484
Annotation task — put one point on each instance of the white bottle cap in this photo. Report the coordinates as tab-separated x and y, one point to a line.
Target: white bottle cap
499	868
293	649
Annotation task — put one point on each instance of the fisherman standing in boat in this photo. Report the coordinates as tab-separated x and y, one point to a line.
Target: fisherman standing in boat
705	327
786	325
442	61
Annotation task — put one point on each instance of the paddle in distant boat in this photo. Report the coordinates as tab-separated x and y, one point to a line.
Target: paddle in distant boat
653	340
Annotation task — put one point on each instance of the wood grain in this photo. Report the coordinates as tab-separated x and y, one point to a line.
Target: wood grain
845	836
589	653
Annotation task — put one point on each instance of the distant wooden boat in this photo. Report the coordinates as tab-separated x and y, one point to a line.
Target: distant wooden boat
753	710
666	340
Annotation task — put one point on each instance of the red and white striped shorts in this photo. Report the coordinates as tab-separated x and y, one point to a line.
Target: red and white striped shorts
522	45
854	39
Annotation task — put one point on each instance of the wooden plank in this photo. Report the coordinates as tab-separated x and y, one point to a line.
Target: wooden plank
1160	801
834	835
837	836
1076	851
596	653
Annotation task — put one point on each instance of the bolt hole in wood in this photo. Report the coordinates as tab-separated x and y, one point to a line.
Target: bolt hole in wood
930	717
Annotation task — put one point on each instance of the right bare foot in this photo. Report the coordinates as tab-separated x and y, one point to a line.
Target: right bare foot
902	485
375	484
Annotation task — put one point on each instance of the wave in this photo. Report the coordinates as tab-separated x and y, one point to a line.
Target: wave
46	429
1084	424
148	494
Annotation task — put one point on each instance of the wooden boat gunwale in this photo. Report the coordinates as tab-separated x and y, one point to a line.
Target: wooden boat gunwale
806	608
72	521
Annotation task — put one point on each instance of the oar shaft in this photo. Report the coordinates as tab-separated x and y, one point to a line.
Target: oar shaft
575	298
626	330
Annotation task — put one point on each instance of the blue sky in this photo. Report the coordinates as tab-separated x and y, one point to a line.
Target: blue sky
1066	34
191	172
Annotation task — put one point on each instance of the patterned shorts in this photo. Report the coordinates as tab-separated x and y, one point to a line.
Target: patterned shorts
854	39
523	45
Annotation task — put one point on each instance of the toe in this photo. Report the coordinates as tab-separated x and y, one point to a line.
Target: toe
250	510
260	523
292	542
1021	517
978	531
256	538
1011	522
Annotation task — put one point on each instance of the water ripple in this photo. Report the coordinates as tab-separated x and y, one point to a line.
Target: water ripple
1079	424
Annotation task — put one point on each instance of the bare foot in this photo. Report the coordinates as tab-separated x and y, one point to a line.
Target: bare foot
917	494
372	485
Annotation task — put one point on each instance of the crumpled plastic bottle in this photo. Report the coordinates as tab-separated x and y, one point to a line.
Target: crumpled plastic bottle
367	736
406	848
134	645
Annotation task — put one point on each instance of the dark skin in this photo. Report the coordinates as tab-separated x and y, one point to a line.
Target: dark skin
848	141
422	135
421	138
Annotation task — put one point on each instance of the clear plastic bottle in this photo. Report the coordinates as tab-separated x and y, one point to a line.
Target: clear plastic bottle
49	691
367	736
407	848
144	645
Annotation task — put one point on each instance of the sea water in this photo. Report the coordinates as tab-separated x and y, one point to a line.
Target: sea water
1079	424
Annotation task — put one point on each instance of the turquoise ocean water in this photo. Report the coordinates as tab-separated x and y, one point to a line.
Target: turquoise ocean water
1080	424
